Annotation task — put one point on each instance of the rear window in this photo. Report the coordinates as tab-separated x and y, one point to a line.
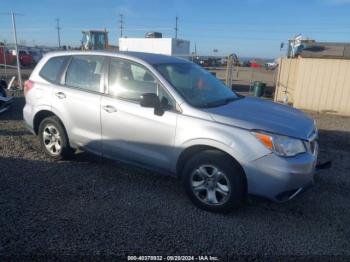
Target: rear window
53	67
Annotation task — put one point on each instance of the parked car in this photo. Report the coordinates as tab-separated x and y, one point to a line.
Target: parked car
153	35
246	64
6	57
170	115
223	61
207	61
255	65
25	58
36	56
271	65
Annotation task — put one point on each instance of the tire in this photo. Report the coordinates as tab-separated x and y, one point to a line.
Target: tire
214	181
53	139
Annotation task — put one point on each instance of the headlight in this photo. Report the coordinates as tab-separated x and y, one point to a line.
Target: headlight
281	145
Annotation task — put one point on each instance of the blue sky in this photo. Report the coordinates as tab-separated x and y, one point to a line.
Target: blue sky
253	28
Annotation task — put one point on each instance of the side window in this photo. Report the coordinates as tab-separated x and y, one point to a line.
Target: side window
85	72
167	102
53	67
129	80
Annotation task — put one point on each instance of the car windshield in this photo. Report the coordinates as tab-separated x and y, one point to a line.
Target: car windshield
196	85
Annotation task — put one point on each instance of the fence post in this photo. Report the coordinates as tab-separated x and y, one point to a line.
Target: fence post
229	71
5	62
17	53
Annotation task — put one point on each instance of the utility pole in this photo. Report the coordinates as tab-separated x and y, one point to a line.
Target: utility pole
17	54
58	31
176	29
121	24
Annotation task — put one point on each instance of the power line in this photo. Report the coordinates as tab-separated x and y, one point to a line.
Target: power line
58	31
121	24
176	29
272	31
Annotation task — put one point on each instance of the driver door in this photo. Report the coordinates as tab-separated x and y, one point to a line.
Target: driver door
130	132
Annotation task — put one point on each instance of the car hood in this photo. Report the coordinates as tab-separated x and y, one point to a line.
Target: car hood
254	113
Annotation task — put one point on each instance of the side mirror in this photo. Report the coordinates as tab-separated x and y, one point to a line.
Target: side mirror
152	100
149	100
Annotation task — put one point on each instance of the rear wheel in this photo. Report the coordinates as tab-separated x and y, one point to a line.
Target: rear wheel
53	139
214	181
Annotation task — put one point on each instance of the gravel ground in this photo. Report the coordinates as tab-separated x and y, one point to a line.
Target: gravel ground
95	207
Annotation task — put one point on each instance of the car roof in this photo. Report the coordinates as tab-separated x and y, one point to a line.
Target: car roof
147	57
156	58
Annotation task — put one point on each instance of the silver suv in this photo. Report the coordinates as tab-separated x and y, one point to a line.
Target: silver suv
170	115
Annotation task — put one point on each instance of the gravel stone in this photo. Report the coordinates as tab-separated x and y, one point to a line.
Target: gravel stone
95	207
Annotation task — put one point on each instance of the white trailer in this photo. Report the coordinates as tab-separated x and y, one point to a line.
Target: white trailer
165	46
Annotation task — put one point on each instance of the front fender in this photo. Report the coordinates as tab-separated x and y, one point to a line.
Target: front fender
236	142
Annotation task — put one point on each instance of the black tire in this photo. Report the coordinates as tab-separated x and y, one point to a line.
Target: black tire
65	152
234	176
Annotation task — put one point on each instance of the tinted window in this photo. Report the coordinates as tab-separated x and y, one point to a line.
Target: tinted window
129	80
53	67
85	72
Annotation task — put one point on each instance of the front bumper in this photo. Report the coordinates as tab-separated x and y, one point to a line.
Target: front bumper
281	178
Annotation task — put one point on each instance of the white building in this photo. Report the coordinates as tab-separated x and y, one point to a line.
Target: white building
165	46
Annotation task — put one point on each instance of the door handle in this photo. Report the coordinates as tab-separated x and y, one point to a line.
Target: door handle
61	95
109	109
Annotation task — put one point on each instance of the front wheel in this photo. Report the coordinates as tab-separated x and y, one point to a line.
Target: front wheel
214	181
53	139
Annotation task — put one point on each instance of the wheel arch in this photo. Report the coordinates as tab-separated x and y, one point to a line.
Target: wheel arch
41	115
191	150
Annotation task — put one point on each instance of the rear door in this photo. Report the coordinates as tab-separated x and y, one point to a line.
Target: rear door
131	132
78	99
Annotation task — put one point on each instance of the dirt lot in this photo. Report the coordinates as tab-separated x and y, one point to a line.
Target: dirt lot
246	75
93	207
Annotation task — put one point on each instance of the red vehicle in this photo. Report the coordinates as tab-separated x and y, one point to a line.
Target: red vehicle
255	65
25	58
6	57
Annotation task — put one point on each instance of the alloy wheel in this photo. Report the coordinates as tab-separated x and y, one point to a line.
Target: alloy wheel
210	185
52	139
